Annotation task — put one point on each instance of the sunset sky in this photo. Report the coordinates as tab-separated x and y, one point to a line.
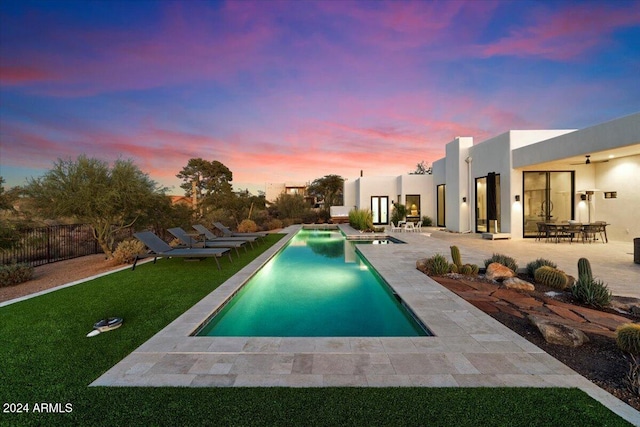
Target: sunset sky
290	91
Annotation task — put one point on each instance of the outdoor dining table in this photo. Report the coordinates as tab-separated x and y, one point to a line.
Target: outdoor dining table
557	230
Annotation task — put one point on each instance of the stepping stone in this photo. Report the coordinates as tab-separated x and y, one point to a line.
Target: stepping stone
485	306
566	313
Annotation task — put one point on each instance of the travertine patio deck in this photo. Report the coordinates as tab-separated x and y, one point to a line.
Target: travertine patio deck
469	349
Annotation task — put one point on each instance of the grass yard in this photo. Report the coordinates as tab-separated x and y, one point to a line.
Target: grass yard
45	357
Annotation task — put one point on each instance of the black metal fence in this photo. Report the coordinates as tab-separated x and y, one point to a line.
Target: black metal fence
43	245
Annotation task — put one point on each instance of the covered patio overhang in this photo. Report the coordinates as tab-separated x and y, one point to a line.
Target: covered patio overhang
605	163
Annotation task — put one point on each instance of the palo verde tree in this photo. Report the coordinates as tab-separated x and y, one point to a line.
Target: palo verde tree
329	189
210	179
107	198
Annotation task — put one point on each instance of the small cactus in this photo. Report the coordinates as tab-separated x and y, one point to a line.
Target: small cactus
534	265
584	269
436	265
551	277
455	256
628	338
453	268
466	270
591	292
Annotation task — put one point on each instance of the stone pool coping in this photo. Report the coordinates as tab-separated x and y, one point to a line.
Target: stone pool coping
469	349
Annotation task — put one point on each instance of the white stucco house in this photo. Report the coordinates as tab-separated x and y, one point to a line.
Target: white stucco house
510	182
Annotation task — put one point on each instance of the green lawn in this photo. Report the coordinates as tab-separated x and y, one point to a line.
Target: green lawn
45	357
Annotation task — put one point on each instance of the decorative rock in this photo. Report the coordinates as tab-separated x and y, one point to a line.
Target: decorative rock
421	265
519	284
570	280
628	304
497	271
557	333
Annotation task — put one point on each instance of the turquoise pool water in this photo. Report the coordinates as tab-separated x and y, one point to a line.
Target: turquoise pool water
316	286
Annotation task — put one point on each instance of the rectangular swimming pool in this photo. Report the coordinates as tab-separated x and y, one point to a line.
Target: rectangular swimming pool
318	285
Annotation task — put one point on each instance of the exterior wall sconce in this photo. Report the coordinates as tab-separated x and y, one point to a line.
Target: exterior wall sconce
517	197
464	200
610	194
583	197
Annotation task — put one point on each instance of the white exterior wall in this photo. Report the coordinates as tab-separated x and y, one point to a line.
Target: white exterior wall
422	185
349	193
456	176
623	176
376	186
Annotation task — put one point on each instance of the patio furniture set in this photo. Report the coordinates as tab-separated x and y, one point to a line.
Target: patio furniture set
568	231
203	244
407	226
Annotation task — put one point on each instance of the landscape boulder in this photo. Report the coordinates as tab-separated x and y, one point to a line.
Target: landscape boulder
497	271
626	304
558	333
518	284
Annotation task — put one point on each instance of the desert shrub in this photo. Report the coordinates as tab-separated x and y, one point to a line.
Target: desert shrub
427	221
324	216
505	260
127	250
534	265
289	206
310	217
273	224
247	226
361	219
437	265
12	274
398	213
592	292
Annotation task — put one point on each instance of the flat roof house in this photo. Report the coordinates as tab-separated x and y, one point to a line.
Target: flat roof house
509	183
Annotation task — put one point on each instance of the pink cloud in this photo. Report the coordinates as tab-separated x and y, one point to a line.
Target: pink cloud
17	75
567	34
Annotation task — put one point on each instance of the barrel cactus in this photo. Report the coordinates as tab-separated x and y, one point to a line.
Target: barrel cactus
628	337
468	269
551	277
534	265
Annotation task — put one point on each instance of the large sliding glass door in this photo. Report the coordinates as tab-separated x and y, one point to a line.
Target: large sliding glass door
488	204
380	209
548	197
440	217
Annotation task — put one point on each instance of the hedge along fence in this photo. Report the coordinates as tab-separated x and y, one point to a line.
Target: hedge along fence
44	245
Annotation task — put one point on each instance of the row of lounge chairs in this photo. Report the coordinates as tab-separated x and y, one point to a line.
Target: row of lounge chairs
211	246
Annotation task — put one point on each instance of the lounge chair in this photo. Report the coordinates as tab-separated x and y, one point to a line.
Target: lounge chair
209	236
395	227
189	241
160	249
228	233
